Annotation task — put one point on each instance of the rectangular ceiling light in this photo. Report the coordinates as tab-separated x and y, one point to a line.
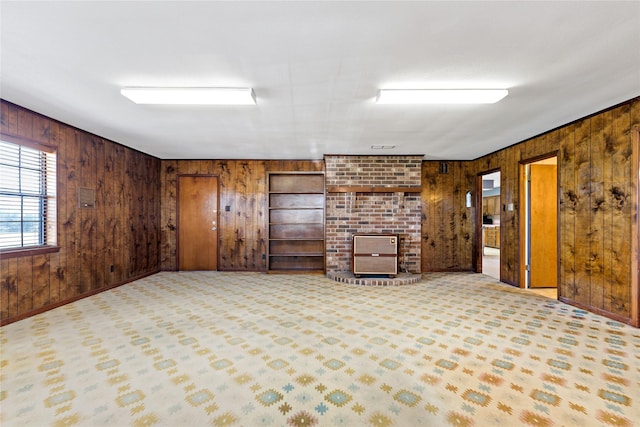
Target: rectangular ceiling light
440	96
190	95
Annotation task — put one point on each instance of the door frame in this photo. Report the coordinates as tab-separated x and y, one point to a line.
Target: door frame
522	215
635	228
198	175
478	252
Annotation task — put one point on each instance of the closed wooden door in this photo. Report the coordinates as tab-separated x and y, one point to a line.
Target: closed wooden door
197	222
543	255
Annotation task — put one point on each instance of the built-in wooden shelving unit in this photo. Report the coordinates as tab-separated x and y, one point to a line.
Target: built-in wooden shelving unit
296	222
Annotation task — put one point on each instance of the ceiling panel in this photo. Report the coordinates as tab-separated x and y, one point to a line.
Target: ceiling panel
316	67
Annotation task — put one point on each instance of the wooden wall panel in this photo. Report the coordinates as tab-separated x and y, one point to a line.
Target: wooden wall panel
445	217
597	205
101	214
568	201
447	223
59	267
619	195
465	220
226	229
168	220
241	230
25	124
24	284
153	200
107	183
74	220
9	287
54	277
40	279
8	119
509	228
596	211
129	208
133	225
606	149
583	212
430	191
90	240
88	233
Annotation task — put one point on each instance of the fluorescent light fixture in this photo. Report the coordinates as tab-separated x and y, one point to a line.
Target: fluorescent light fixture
382	147
440	96
190	95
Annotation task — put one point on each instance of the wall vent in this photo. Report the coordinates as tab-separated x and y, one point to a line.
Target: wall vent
444	167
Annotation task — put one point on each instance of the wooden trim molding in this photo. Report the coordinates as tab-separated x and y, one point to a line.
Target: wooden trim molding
28	251
598	311
217	213
635	228
363	189
27	142
522	214
478	247
40	310
522	223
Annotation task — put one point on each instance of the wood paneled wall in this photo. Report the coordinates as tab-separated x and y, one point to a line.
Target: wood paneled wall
447	224
121	231
133	226
242	231
596	174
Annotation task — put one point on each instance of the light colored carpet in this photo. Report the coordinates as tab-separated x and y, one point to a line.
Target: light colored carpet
248	349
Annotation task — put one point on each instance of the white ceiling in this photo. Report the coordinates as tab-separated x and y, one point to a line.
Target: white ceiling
315	68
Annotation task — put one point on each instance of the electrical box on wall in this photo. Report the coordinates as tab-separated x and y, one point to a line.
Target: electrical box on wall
86	198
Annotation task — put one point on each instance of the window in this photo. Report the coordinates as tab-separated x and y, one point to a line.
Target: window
27	196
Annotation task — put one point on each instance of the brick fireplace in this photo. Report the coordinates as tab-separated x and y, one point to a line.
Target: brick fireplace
372	194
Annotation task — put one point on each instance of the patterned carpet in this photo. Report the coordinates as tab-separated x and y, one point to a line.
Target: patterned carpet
248	349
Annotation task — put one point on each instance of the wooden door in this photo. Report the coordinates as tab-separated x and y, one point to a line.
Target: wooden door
197	222
543	222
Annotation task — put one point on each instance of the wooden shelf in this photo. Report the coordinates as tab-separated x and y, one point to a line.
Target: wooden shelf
283	239
291	223
297	254
297	207
296	192
363	189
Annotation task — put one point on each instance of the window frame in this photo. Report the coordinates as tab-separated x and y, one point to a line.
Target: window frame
51	219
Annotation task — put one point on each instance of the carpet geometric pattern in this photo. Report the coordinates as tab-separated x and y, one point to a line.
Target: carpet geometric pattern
251	349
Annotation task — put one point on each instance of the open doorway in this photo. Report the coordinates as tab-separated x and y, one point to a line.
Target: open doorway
491	207
539	219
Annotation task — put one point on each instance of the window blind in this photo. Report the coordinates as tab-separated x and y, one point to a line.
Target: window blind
27	196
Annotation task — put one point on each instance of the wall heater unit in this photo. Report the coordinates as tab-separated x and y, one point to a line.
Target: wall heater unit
375	254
